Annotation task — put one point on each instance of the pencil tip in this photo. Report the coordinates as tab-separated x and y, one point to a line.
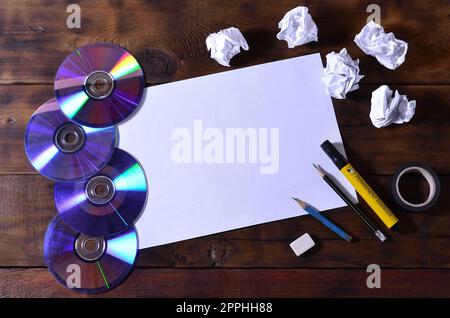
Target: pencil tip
319	169
300	202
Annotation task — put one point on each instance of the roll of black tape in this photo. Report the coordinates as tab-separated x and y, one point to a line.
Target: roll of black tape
429	175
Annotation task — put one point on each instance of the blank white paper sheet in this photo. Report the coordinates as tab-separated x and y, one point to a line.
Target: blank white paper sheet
229	150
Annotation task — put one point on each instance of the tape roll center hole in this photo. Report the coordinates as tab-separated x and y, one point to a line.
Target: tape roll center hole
414	187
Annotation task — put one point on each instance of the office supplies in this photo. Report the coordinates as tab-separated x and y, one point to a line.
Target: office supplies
388	50
106	203
387	107
89	264
297	27
187	134
225	44
302	244
64	151
341	75
99	85
431	178
347	200
366	192
317	215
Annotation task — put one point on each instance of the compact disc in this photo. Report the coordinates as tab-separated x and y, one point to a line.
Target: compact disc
107	202
89	264
99	85
64	151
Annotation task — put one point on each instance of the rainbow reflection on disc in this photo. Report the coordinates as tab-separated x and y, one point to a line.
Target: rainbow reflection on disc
89	264
64	151
107	202
99	85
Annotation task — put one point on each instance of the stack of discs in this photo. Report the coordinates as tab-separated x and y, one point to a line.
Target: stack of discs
100	190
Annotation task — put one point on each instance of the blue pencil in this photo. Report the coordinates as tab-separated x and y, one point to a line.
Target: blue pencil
316	214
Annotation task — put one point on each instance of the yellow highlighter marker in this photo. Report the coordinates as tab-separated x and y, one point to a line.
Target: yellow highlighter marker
361	186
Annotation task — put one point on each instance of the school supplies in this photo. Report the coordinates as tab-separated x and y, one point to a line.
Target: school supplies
366	192
433	185
347	200
316	214
232	149
302	244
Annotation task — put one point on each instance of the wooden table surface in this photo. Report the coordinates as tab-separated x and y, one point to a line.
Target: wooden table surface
168	37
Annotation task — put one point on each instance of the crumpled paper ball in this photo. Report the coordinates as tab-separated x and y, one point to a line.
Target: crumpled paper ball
341	74
387	109
388	50
297	27
225	44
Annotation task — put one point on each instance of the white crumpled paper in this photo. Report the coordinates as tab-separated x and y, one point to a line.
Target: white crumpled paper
297	27
341	74
388	50
225	44
387	109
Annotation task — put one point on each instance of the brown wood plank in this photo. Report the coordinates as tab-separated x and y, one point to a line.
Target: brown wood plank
383	151
17	104
373	151
399	253
37	282
168	39
34	38
27	207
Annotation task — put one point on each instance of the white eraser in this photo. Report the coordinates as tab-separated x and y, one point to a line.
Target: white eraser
302	244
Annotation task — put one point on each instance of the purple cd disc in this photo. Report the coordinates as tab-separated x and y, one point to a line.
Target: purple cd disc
106	203
99	85
64	151
89	264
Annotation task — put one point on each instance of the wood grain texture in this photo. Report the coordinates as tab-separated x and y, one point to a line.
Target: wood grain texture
372	150
168	38
34	37
37	282
422	241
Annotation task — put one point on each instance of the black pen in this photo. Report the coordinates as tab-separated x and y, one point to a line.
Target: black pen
349	202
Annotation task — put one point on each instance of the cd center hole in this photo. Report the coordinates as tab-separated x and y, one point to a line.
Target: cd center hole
70	138
91	245
100	84
414	187
101	190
